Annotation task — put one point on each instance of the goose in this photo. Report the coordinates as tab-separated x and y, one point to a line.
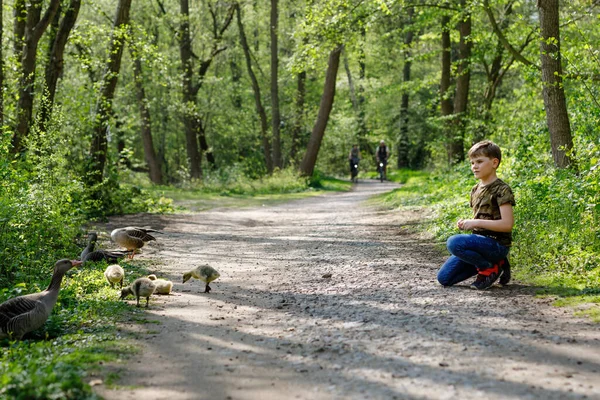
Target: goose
114	274
141	287
205	273
27	313
89	254
132	238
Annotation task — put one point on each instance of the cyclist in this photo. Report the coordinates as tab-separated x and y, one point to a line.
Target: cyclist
382	154
354	159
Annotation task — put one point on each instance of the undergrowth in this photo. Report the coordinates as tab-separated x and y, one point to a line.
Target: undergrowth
56	361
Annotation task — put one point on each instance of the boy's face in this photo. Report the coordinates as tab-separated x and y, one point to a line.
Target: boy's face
483	167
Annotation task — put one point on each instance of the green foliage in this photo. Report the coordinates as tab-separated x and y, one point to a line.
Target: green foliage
54	361
43	204
323	182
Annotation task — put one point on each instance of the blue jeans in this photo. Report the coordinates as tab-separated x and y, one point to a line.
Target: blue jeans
470	252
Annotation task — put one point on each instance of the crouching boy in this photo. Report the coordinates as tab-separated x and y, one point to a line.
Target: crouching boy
484	252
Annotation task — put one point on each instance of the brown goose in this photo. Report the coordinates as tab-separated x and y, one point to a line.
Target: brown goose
205	273
114	274
89	254
27	313
132	238
141	287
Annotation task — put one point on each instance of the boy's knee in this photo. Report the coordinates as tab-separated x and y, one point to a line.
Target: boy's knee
443	278
453	242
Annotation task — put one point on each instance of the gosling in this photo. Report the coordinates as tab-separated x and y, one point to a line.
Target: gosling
163	286
114	274
141	287
205	273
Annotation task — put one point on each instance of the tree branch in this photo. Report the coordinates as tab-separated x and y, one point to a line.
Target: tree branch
514	52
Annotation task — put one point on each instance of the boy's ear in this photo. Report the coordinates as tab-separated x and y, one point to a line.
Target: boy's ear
495	162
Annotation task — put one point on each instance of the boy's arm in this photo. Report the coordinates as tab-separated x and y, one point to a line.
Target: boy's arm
504	224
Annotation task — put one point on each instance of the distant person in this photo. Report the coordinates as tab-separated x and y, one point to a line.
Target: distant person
381	155
354	159
483	252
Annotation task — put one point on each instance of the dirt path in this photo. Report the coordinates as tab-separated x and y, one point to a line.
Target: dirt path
380	328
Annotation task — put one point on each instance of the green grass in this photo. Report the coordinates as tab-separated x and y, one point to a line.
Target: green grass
56	361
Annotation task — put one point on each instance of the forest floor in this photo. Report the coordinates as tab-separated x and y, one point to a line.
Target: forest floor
275	326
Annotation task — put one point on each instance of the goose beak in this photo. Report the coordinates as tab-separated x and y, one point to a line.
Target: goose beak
75	263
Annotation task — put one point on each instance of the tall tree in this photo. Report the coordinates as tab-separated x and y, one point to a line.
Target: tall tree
55	65
1	67
192	120
275	114
98	148
189	94
307	166
35	26
152	160
298	129
262	115
553	91
447	107
402	144
463	80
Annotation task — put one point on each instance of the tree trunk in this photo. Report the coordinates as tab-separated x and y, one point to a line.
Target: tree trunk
189	95
20	14
554	95
35	26
298	131
447	107
362	132
1	66
403	143
98	148
275	115
463	80
257	98
307	166
56	60
146	130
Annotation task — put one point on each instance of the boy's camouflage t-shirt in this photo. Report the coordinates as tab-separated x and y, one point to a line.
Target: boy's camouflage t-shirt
486	202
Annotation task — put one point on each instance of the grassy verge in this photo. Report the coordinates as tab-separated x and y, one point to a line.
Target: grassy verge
239	192
540	255
58	360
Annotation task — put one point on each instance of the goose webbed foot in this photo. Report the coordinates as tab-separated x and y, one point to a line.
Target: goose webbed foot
207	289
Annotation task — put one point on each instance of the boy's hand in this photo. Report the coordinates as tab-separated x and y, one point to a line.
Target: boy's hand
466	224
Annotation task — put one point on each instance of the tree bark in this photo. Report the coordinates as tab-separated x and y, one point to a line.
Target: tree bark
463	80
257	97
189	94
447	107
553	91
402	145
275	115
1	66
298	131
35	26
56	60
307	166
146	129
98	148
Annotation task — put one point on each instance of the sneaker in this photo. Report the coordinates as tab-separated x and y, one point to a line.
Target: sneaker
505	277
483	282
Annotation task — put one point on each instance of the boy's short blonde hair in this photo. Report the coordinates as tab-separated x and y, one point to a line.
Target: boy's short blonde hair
485	148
